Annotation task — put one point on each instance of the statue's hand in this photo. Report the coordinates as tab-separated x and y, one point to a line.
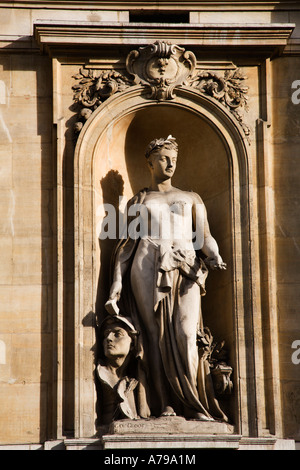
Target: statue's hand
115	294
115	290
215	263
112	308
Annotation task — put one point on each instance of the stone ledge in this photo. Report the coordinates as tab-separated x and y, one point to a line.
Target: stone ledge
169	425
171	441
161	441
21	447
179	441
83	444
174	432
204	5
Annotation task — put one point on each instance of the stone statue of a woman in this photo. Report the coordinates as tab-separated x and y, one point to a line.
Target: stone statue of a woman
160	278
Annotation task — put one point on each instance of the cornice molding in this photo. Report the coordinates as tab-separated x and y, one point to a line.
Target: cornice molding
83	34
153	5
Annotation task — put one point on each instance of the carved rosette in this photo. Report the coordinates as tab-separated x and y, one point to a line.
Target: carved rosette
160	67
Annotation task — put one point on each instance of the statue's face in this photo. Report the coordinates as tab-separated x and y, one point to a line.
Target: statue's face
163	162
116	341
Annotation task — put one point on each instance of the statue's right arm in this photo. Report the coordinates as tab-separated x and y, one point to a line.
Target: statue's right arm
121	265
209	246
122	258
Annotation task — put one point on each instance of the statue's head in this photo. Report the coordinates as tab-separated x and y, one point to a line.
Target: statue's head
118	336
161	155
157	144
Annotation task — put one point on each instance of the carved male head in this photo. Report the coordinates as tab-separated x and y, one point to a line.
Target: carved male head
118	336
161	155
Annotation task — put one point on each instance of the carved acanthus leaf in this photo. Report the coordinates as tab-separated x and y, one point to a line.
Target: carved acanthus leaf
95	86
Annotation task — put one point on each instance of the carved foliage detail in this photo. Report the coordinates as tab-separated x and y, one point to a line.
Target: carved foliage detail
216	356
229	90
93	87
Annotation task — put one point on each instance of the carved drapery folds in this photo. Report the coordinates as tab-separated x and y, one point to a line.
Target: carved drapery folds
160	67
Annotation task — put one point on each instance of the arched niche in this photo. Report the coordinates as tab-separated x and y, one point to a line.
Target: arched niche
109	162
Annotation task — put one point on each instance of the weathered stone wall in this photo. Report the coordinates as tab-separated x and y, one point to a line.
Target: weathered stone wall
286	145
26	246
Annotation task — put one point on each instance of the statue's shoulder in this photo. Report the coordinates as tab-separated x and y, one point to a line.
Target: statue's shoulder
197	199
139	197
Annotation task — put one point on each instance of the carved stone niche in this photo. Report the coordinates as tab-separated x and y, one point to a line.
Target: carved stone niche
119	170
198	107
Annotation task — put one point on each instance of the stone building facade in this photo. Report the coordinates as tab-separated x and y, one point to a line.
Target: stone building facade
77	109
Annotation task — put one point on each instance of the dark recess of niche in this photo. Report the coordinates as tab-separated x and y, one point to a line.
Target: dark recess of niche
142	16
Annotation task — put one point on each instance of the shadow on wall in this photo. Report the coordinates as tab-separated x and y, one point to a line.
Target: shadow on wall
112	185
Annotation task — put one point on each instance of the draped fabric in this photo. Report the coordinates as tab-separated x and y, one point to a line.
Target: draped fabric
181	371
188	376
119	397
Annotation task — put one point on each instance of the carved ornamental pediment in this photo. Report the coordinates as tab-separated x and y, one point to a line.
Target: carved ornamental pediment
161	68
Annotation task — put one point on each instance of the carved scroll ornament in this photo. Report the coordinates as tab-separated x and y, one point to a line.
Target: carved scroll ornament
160	67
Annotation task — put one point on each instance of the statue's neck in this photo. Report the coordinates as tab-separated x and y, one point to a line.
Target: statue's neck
161	186
117	364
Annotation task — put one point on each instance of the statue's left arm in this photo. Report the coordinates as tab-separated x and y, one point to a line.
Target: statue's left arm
206	241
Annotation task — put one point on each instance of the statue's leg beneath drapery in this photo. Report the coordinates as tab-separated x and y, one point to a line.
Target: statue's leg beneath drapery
143	278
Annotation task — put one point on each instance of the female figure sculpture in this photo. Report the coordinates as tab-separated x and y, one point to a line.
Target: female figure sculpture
159	277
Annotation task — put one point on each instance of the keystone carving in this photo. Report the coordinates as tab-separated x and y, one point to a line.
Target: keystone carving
161	66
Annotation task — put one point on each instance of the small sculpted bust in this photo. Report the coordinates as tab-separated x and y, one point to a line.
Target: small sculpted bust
117	388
